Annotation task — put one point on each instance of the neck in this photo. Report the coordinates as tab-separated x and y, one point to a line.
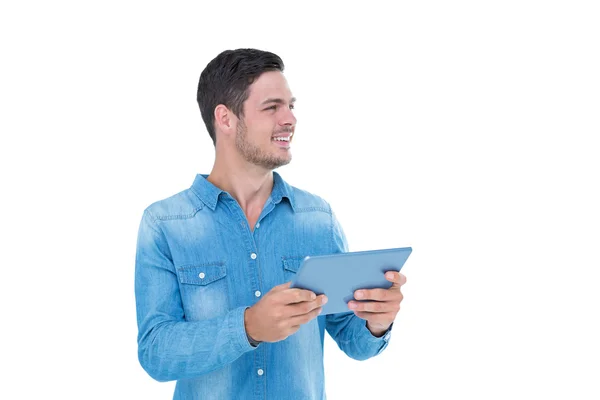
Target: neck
249	184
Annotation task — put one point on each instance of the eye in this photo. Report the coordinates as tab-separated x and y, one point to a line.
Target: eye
271	108
292	106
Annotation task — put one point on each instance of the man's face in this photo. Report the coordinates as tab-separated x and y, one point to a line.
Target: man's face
264	133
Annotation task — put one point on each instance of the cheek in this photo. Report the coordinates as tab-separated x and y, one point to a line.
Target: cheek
264	133
261	128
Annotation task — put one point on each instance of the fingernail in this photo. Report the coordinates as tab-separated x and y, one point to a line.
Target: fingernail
313	296
359	295
352	306
390	276
324	300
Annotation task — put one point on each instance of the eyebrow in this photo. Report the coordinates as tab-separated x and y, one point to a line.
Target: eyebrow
278	101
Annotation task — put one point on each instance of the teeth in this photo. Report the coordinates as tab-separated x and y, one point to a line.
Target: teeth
282	139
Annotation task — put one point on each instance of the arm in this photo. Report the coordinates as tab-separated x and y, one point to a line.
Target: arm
353	337
169	347
349	331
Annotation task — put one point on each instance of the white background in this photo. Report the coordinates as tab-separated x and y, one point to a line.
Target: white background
465	129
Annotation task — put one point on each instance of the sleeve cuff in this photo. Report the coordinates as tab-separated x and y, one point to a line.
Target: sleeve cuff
385	337
238	330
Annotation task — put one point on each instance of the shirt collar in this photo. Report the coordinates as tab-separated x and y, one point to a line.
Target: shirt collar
209	193
206	191
281	189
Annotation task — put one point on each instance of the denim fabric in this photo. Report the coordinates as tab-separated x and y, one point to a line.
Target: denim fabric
199	266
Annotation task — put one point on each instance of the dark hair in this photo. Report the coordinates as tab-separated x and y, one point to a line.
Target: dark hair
226	79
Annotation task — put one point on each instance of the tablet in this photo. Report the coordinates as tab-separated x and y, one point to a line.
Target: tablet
339	275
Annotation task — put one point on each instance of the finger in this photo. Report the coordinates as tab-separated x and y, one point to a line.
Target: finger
304	318
281	287
396	278
374	306
376	318
391	294
292	296
306	306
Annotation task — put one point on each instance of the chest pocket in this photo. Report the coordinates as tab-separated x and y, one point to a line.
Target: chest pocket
204	290
291	265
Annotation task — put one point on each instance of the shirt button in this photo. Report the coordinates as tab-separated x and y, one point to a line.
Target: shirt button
258	224
253	256
260	372
201	275
257	293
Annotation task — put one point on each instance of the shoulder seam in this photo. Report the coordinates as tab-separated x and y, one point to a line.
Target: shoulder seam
179	216
306	209
182	196
152	224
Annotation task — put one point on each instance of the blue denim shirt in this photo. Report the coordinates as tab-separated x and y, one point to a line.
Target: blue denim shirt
199	266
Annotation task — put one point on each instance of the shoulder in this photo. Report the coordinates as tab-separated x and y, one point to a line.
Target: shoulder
182	205
305	201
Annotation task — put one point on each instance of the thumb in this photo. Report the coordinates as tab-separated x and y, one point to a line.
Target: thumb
281	287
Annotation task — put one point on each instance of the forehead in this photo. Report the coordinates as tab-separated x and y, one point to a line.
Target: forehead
271	84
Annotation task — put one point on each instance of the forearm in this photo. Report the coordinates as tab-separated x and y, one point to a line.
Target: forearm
378	331
170	350
354	338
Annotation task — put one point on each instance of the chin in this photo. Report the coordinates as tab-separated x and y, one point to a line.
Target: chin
282	162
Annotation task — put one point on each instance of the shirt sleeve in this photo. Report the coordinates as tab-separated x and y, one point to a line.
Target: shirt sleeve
169	347
347	330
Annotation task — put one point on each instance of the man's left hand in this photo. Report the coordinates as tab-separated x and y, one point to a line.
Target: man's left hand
382	306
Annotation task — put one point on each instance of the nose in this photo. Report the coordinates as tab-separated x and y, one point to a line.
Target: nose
287	118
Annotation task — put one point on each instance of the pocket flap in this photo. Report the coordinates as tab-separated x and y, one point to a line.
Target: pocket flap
292	264
202	274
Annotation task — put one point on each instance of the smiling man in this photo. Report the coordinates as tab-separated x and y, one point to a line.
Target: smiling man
213	263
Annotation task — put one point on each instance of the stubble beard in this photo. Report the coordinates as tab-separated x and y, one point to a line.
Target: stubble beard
254	154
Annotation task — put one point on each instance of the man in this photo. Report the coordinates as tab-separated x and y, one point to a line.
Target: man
214	308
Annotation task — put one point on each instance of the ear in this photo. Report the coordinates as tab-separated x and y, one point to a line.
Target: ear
225	120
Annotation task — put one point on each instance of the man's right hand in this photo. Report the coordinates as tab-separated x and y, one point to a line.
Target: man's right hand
280	313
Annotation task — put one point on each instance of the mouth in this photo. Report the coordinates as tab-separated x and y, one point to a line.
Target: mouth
283	140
